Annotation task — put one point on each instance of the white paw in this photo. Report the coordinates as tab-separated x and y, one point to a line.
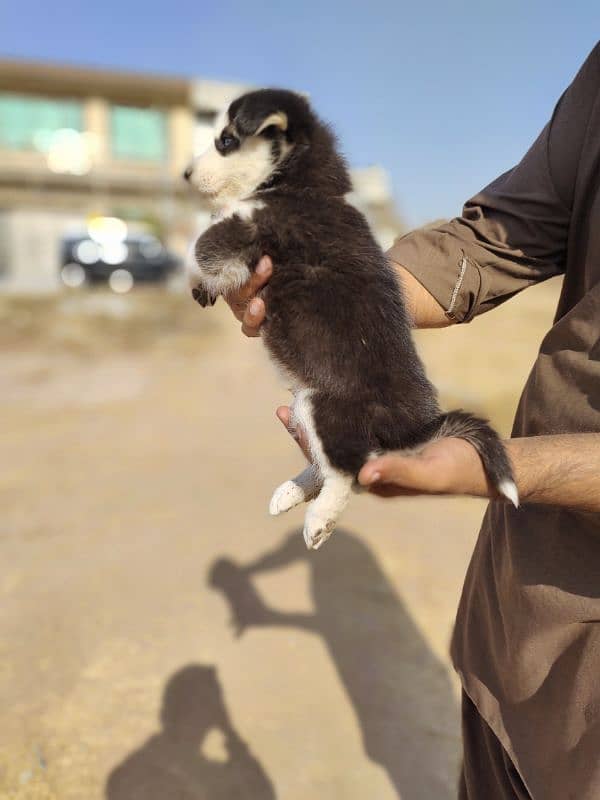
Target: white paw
317	530
286	496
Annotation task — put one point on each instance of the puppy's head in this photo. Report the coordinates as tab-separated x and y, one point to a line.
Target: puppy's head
253	139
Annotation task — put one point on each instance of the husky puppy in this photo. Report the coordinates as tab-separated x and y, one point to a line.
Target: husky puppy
336	324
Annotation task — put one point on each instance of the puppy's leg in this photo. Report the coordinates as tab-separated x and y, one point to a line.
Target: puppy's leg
220	260
300	489
324	511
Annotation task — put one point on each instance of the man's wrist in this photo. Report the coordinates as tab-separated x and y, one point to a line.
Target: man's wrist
470	475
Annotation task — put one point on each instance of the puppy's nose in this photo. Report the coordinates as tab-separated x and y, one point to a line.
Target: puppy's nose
188	173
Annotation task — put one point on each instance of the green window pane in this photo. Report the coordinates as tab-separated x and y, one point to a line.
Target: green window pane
138	133
28	123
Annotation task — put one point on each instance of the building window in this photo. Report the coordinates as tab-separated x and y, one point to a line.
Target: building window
30	123
138	133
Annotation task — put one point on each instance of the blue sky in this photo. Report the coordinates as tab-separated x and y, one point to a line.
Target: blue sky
446	95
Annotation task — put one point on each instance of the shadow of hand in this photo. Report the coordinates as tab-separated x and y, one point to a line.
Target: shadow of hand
246	606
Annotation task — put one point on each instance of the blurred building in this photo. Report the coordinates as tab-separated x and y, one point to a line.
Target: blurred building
78	143
372	194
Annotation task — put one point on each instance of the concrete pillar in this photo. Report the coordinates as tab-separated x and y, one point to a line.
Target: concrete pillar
97	125
181	134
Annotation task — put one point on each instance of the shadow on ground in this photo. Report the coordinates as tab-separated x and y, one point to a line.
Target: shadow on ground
400	692
171	765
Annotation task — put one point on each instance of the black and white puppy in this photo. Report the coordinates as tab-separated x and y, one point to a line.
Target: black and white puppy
336	325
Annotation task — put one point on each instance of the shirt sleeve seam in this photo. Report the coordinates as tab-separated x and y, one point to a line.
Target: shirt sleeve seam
459	281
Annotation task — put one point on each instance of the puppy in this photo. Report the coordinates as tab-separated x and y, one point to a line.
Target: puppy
336	324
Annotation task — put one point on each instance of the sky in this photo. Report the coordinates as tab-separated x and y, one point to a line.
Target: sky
444	95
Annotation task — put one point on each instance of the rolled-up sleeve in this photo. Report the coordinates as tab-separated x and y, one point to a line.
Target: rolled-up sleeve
514	233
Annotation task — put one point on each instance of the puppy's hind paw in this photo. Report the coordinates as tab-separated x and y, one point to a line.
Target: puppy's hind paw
286	496
317	531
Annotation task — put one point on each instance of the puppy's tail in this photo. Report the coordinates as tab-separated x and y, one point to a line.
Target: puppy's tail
485	440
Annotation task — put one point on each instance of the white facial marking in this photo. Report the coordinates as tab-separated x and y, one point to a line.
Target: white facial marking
230	177
226	178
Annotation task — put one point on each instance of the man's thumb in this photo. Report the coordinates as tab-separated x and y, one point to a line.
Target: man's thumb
397	469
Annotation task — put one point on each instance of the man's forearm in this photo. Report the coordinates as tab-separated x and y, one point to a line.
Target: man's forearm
561	470
424	310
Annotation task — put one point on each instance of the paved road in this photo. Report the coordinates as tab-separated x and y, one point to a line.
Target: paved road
162	637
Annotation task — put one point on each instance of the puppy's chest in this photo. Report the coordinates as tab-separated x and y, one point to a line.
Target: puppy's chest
244	209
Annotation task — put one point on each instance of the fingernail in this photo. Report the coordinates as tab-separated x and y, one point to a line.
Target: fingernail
254	307
263	267
375	477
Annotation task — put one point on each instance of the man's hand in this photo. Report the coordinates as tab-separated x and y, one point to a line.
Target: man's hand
248	308
424	310
447	466
561	470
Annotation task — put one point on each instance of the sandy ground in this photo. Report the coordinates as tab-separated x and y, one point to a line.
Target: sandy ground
161	637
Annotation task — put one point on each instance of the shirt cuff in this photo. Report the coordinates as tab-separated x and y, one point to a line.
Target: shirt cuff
437	260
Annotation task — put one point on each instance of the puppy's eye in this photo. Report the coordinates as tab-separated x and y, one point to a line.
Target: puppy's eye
226	143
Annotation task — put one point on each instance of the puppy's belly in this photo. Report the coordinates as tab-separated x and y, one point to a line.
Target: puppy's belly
285	376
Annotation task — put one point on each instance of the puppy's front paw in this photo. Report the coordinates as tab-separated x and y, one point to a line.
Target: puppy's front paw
317	530
286	496
202	296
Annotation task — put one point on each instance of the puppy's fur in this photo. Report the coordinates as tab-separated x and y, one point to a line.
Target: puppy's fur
336	322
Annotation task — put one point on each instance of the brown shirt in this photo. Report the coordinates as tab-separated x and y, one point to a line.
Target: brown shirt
527	637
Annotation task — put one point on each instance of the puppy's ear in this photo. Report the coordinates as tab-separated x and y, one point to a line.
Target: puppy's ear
253	124
278	119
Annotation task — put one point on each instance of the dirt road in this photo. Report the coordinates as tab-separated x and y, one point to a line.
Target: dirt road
160	635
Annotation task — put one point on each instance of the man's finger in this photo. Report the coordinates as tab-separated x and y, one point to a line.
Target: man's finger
297	433
238	300
253	317
283	415
254	312
262	273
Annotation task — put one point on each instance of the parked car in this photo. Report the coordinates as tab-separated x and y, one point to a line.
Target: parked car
119	262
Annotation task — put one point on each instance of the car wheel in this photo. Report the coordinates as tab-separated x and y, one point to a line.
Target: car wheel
73	275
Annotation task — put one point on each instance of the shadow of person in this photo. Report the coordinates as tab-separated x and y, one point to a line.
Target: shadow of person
400	691
171	766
